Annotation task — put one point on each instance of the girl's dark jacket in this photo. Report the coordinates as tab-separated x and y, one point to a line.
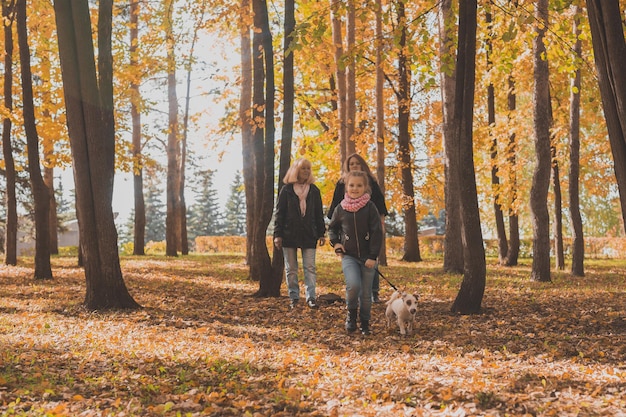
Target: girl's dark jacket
295	230
377	197
359	232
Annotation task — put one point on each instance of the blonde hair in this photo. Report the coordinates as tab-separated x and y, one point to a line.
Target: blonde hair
359	174
291	177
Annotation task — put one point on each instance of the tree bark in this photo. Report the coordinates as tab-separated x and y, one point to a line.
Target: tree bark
558	212
41	194
340	75
88	100
609	51
53	223
263	91
139	233
380	122
172	221
514	242
245	115
503	245
10	254
350	77
453	244
578	243
411	243
469	298
541	176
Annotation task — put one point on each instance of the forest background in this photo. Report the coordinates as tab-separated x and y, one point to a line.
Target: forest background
145	34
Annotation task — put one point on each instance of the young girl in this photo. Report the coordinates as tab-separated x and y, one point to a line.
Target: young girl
299	223
356	234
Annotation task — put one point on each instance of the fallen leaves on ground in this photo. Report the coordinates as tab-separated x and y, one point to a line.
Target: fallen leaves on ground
201	346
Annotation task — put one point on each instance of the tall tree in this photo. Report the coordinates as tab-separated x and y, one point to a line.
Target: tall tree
245	117
380	120
350	69
205	215
89	102
541	176
411	243
263	91
235	213
469	298
514	239
172	222
453	244
139	217
10	253
336	8
156	211
503	245
609	51
41	194
578	243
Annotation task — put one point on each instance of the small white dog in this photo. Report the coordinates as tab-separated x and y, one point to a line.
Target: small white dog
404	307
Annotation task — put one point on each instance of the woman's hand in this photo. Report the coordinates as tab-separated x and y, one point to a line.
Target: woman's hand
278	242
370	263
339	250
322	241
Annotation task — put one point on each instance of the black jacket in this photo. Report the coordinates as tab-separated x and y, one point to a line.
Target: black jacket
360	233
377	197
298	231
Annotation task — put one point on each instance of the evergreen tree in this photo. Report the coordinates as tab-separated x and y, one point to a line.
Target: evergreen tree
205	216
155	210
235	221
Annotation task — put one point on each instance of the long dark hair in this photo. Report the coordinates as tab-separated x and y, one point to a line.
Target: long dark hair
346	167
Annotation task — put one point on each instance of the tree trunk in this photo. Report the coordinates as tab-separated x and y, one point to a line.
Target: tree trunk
411	243
10	254
350	78
48	180
261	268
340	75
453	245
541	176
41	196
245	114
172	222
91	130
503	245
513	247
139	233
578	243
558	212
609	51
380	122
469	298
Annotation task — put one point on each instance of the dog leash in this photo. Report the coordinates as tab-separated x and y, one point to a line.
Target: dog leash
338	250
388	282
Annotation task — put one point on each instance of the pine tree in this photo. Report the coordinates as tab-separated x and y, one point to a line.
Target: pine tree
205	217
235	221
155	211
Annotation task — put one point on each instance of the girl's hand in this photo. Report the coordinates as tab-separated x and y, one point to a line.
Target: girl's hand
278	242
370	263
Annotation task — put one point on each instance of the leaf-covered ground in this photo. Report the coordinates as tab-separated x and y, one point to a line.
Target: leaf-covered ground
202	347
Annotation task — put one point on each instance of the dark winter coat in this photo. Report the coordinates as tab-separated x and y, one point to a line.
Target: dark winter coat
295	230
360	232
377	197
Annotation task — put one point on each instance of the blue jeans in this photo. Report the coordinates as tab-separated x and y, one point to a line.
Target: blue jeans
291	272
359	280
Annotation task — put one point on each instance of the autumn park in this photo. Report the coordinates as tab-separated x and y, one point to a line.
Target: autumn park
495	132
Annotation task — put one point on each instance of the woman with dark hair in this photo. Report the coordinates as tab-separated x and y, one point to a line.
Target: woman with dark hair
355	162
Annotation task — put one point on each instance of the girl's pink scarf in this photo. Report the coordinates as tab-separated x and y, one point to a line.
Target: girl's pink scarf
354	204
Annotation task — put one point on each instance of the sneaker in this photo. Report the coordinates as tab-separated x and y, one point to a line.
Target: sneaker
311	303
293	303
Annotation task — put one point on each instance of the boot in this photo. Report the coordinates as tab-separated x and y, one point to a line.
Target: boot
365	327
351	320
